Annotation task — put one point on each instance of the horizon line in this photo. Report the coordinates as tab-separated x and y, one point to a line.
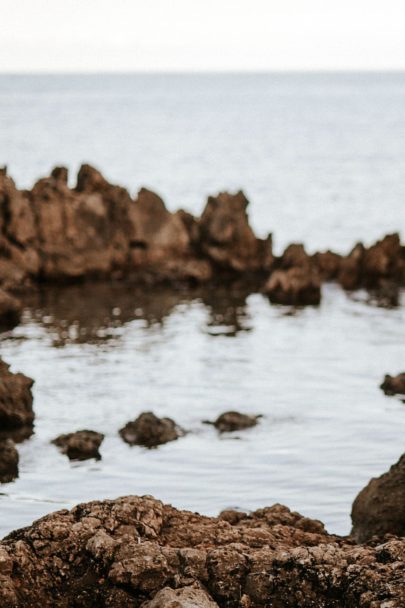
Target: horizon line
199	72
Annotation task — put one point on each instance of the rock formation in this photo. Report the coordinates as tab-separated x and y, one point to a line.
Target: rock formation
136	551
394	385
150	431
233	421
10	310
16	411
80	445
379	508
296	286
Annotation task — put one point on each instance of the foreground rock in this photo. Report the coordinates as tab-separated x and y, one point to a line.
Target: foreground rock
296	287
10	311
394	385
80	445
234	421
150	431
124	552
8	461
15	400
379	508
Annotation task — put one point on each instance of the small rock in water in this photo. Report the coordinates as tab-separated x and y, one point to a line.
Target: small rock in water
8	461
150	431
394	385
234	421
80	445
10	310
295	287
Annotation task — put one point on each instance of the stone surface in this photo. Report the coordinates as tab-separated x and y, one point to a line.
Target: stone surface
193	596
394	385
8	461
234	421
296	286
80	445
133	550
15	399
150	431
379	508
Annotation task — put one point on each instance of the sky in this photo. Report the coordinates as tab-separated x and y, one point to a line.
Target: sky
201	35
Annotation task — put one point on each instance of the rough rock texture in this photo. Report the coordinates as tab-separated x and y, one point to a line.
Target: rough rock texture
193	596
380	507
15	399
8	461
297	286
234	421
394	385
10	310
80	445
124	552
228	240
150	431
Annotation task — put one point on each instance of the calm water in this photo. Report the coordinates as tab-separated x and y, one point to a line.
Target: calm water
322	158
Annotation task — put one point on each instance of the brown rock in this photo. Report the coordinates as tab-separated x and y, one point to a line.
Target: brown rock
295	256
234	421
296	287
379	508
150	431
8	462
350	273
394	385
15	399
227	239
132	550
10	310
193	596
80	445
327	264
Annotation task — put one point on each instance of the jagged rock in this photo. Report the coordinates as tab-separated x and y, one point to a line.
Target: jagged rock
350	274
327	264
234	421
10	310
80	445
8	462
228	240
295	256
383	260
394	385
15	399
193	596
295	286
124	552
150	431
379	508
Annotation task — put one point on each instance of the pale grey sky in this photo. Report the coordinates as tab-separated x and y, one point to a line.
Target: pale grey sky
120	35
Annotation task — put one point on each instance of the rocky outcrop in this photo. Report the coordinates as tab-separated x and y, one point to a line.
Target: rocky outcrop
296	287
139	552
227	239
8	461
150	431
233	421
15	400
80	445
379	508
394	385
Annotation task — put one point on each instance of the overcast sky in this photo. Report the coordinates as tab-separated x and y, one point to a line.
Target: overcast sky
119	35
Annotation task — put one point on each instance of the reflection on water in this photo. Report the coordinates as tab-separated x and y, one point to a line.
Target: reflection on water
102	353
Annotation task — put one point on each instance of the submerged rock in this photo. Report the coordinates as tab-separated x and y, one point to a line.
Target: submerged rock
150	431
124	552
379	508
10	310
234	421
296	287
80	445
8	461
15	399
394	385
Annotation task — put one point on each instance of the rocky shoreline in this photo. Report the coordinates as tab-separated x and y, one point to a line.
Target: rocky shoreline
54	233
136	551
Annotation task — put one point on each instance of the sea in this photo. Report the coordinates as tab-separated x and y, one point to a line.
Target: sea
321	158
